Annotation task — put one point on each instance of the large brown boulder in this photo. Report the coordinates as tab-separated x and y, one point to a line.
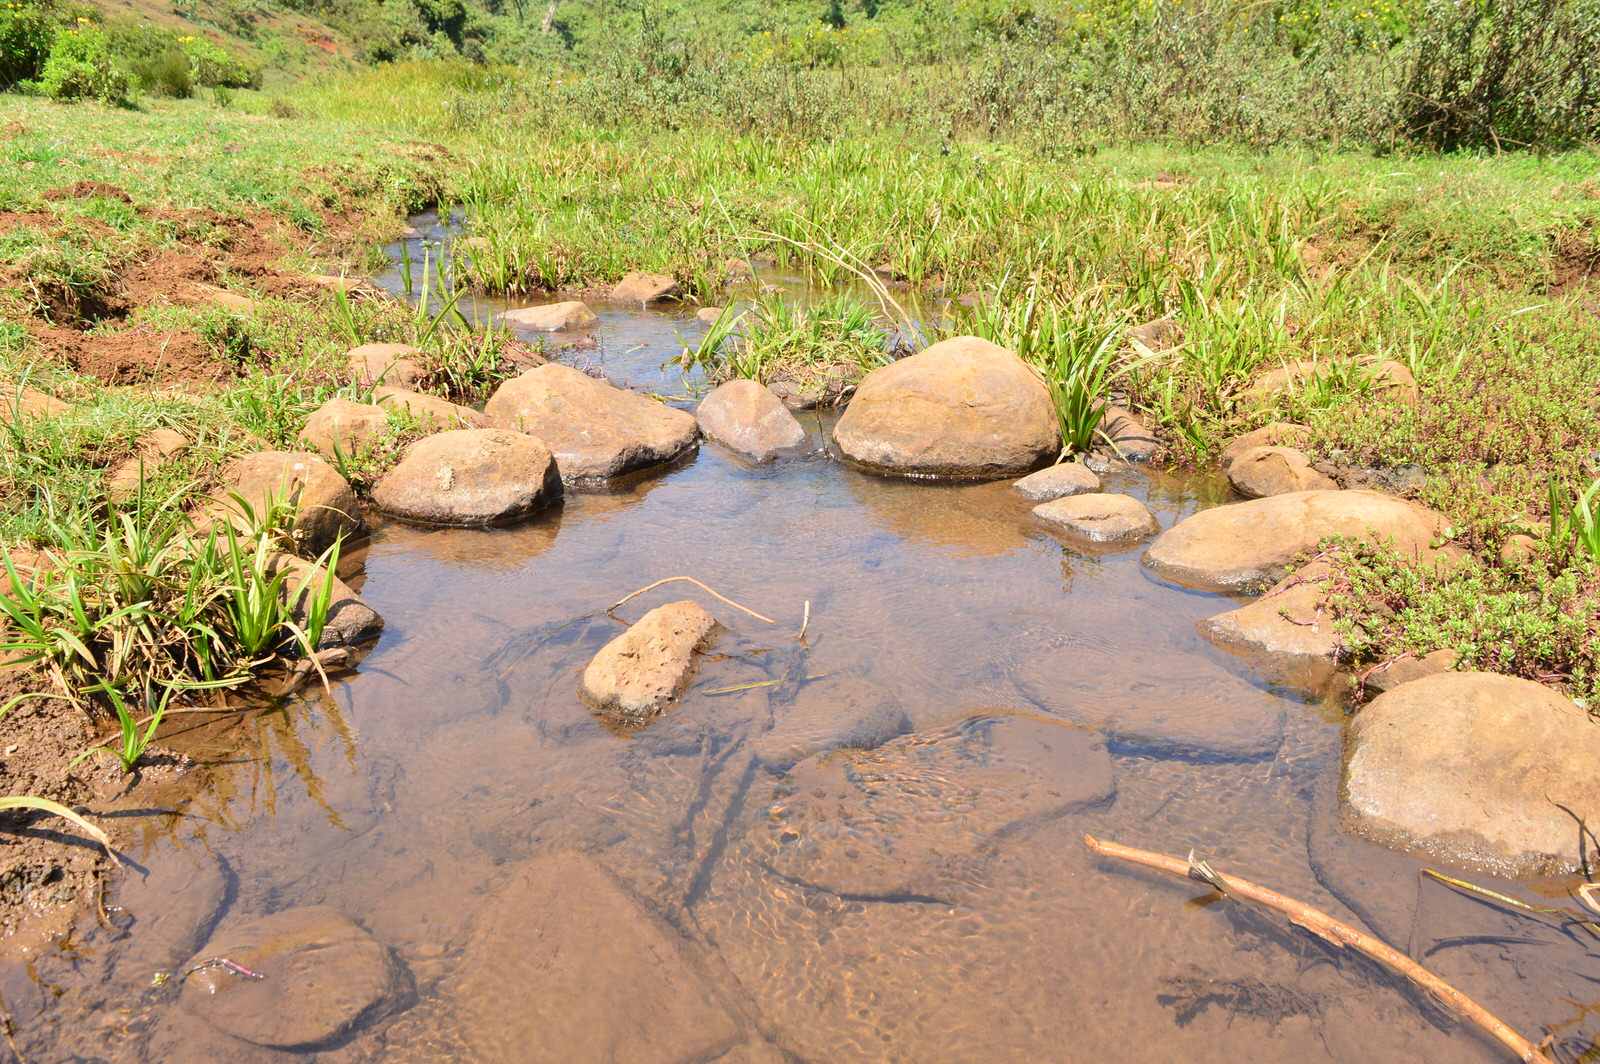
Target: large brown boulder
1126	435
397	365
470	477
323	503
323	977
1476	766
1275	434
1287	633
646	288
340	427
963	408
744	415
429	411
1248	546
636	674
595	429
1263	471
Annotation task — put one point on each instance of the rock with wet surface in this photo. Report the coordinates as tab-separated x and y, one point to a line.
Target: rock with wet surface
826	713
595	430
880	823
1248	546
1058	482
1099	518
470	477
709	314
646	288
1286	633
963	408
1263	471
746	417
640	671
350	621
1477	767
1275	434
564	964
323	978
340	427
397	365
552	317
325	506
430	412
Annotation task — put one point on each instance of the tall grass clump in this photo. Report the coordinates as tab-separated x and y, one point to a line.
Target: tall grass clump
780	339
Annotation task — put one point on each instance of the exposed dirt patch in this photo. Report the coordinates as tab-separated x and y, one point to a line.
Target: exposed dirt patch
144	354
1576	260
88	190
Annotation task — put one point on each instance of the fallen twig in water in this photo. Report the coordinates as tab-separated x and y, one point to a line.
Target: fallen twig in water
1494	897
805	622
697	584
226	965
1335	932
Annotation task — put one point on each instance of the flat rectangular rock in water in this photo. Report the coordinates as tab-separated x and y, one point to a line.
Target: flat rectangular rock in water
564	964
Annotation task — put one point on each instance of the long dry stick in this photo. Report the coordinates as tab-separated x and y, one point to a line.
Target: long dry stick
697	584
1336	932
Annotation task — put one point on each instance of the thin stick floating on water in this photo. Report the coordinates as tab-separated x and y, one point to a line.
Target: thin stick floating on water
697	584
804	622
1336	932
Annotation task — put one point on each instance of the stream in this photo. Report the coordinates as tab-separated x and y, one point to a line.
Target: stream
718	886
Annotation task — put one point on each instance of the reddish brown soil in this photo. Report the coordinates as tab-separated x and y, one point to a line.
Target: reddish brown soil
88	190
143	354
1577	260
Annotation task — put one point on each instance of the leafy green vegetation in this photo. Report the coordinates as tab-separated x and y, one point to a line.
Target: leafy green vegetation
778	339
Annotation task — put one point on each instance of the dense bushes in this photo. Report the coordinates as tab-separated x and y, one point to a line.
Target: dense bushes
80	67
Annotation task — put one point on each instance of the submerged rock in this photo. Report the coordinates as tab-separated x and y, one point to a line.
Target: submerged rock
1478	767
1247	546
881	822
470	476
564	964
639	672
429	411
397	365
1263	471
552	317
323	978
646	288
595	429
826	713
964	408
1286	632
340	427
748	418
827	386
1058	482
1098	518
324	504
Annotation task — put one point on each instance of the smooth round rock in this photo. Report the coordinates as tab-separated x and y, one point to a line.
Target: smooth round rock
1287	634
963	408
322	978
747	417
325	506
1263	471
470	476
1476	766
552	317
1248	546
398	365
646	288
596	430
340	427
1275	434
1058	482
1099	518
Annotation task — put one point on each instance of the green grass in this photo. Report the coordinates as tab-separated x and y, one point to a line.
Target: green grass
779	339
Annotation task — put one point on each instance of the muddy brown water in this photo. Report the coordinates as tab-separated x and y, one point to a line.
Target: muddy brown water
877	858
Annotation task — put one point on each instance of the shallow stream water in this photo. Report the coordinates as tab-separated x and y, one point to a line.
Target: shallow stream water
717	886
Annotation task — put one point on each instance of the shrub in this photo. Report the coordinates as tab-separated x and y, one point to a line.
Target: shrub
154	59
80	67
213	66
1517	73
26	29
